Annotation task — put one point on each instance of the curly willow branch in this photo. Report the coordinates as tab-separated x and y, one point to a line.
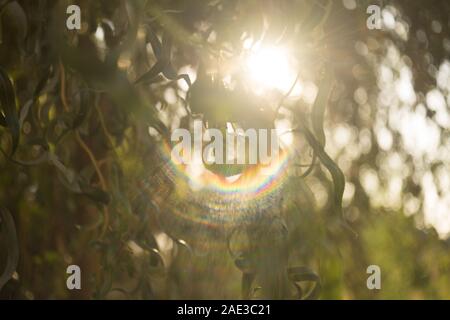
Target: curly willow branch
86	149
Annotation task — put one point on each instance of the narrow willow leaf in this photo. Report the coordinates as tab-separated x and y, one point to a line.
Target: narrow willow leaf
156	265
67	176
154	42
37	91
95	194
317	16
7	226
318	110
170	73
301	274
85	102
335	171
24	112
9	108
244	264
151	75
162	52
246	286
14	20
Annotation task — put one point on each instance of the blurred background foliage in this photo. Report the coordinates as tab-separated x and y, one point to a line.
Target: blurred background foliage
83	179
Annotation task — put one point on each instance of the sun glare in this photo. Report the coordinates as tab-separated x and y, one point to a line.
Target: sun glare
270	68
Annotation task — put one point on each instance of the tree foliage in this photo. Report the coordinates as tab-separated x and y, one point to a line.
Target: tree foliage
86	117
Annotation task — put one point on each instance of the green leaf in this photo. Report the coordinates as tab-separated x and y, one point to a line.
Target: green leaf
151	75
9	108
8	227
14	20
96	194
317	16
162	52
332	167
246	286
85	102
301	274
244	264
318	110
154	42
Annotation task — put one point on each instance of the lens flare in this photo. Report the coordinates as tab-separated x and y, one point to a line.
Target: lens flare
213	204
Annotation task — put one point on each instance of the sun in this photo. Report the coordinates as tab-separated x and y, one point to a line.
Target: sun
270	67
